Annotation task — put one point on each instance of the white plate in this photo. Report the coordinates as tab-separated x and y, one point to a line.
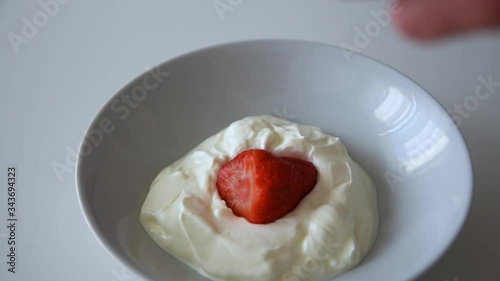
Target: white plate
390	125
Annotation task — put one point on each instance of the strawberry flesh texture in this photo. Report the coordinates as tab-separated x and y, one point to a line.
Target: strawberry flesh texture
262	187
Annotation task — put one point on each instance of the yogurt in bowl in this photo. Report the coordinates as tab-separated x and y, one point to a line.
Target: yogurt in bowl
332	229
392	127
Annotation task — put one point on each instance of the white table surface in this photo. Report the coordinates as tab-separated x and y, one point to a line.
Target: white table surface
85	51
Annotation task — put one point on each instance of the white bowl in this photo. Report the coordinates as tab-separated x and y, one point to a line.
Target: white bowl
398	132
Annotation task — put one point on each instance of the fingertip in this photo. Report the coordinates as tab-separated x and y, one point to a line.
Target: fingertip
410	23
426	20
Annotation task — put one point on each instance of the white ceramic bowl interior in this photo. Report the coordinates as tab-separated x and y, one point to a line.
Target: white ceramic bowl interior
390	125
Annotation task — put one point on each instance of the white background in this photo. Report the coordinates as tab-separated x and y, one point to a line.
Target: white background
57	80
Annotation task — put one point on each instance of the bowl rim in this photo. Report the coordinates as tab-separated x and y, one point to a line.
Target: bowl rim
87	210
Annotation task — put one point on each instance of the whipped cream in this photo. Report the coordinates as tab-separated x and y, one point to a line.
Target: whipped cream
328	233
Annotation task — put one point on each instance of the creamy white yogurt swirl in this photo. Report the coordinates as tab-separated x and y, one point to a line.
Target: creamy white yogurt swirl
328	233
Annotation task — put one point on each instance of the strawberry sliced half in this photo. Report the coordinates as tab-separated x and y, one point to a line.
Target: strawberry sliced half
263	187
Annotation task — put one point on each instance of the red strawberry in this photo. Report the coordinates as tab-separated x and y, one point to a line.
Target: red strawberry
262	187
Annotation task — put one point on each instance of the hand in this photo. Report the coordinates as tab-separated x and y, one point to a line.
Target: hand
432	19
